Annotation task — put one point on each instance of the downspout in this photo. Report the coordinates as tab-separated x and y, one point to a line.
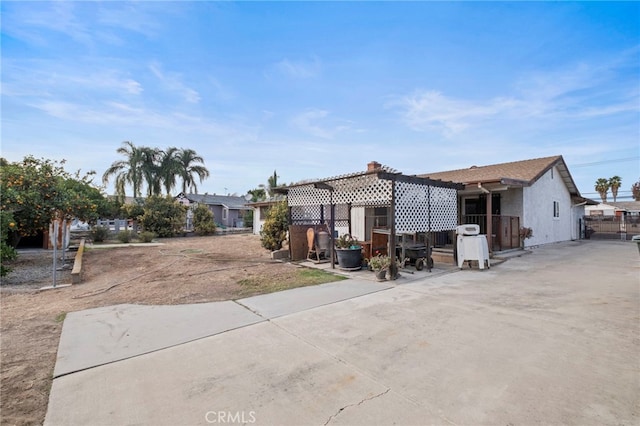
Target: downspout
489	227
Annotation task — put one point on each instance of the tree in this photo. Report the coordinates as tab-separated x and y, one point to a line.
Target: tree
7	252
163	216
615	182
127	171
257	194
169	168
37	190
188	168
276	225
156	168
602	186
203	223
635	190
150	167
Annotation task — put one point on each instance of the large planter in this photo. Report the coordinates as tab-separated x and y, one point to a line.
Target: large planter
349	259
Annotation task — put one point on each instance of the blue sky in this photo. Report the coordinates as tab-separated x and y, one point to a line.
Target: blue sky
319	89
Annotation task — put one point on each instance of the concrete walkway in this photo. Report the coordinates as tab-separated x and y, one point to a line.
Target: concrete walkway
549	338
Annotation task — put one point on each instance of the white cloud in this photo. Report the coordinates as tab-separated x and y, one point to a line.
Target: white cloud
576	93
299	69
173	82
44	78
316	122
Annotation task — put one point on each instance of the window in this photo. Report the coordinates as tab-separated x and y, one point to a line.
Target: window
556	209
224	213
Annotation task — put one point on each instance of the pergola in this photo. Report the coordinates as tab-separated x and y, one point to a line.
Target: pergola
415	204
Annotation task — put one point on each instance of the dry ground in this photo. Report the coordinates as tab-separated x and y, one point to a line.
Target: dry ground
184	270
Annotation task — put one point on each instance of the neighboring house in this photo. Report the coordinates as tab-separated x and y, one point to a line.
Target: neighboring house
261	209
228	211
619	208
613	220
538	193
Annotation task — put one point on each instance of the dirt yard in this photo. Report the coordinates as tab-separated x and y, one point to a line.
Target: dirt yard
183	270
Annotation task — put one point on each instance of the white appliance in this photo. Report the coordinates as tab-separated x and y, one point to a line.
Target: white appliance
472	246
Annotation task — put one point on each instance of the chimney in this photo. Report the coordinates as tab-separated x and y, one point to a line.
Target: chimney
374	165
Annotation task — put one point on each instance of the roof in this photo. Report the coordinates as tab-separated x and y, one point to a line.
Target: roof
516	173
229	201
626	205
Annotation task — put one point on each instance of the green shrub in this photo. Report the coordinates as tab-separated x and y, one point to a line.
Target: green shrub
99	233
124	236
7	252
146	236
203	223
163	216
276	225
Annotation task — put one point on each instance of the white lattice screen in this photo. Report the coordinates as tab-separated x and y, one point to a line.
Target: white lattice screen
419	207
363	190
422	208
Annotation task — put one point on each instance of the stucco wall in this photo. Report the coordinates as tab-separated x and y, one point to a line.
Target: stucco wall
511	202
538	210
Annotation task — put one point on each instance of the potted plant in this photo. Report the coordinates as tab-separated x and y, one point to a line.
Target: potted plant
380	264
524	234
349	253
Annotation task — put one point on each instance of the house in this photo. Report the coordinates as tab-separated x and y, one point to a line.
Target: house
539	194
380	207
613	220
618	208
228	210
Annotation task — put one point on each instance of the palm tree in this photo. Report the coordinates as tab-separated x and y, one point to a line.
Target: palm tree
187	169
126	171
151	171
169	168
615	183
602	186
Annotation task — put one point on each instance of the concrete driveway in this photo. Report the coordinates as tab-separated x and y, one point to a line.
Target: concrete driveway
552	337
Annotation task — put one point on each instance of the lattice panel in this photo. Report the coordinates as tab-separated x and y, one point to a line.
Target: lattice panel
319	215
421	208
444	208
307	196
364	190
305	214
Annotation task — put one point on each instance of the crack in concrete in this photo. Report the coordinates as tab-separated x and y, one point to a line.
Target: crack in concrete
333	416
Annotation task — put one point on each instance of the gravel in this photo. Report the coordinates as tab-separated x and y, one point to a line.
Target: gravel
33	269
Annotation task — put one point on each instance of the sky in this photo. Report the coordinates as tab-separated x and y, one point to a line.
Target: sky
318	89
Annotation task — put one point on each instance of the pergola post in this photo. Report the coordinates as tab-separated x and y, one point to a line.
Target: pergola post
391	250
489	222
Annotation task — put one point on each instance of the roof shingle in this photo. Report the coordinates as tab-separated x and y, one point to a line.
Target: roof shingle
527	170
